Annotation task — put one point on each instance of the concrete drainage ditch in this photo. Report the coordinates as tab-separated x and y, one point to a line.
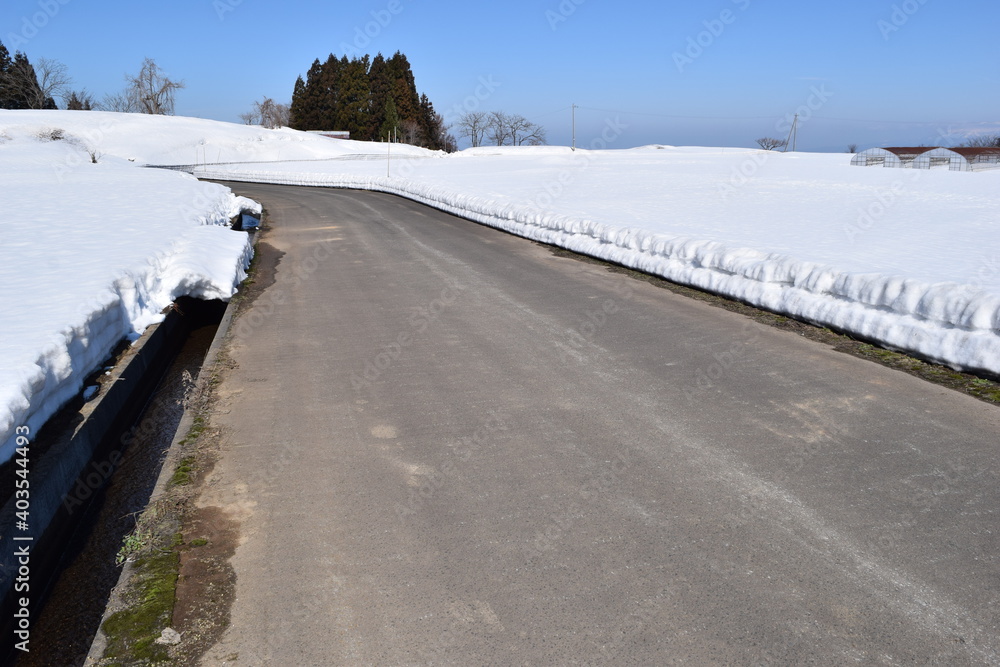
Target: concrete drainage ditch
92	468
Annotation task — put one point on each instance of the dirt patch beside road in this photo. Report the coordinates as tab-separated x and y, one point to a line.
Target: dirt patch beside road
187	540
206	585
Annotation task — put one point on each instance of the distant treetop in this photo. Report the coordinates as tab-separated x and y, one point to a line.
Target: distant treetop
375	99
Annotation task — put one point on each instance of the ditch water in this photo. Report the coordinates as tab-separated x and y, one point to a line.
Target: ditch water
80	583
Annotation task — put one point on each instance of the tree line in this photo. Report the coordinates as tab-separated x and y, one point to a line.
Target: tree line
24	85
500	129
981	141
375	99
20	87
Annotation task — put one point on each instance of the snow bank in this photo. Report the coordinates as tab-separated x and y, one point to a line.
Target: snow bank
92	253
907	258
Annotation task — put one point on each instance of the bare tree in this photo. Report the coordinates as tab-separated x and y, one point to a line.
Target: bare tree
497	127
513	130
268	113
517	127
272	114
151	91
852	148
982	141
409	132
53	79
284	115
448	143
770	143
523	131
473	126
121	101
445	138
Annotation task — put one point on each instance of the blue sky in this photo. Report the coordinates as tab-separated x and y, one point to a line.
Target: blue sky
716	72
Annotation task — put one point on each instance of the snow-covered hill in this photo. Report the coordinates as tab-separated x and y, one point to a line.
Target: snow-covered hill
162	140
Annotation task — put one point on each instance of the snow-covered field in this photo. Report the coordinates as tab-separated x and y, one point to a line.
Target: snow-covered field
95	251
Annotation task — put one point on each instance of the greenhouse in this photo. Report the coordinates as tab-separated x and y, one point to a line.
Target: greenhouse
895	157
928	157
978	158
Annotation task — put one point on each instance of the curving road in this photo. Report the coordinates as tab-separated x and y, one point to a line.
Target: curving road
446	445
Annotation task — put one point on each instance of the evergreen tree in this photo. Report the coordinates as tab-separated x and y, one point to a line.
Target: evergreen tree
328	92
390	124
308	100
368	97
316	95
299	109
5	87
378	82
353	102
313	96
22	84
404	88
431	127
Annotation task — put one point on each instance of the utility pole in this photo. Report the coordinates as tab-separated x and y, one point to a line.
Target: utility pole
574	128
793	135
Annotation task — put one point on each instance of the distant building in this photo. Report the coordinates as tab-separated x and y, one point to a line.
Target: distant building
333	134
926	157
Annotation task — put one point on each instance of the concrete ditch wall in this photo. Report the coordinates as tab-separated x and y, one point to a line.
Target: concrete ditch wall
65	477
166	473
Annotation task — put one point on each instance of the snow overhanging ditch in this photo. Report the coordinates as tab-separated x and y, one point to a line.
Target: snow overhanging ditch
136	299
953	324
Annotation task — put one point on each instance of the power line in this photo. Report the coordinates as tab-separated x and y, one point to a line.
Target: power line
663	115
842	120
908	122
549	113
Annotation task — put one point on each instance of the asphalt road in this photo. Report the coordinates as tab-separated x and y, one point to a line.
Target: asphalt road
447	445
